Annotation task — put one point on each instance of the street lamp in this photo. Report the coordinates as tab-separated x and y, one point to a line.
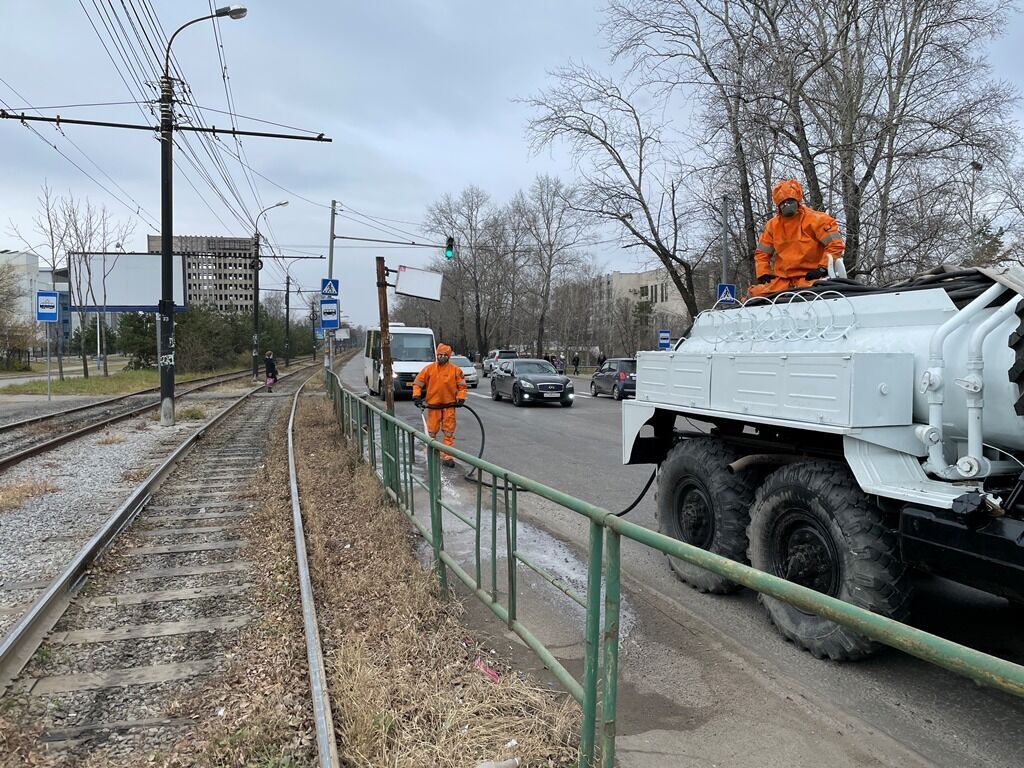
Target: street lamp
256	266
165	312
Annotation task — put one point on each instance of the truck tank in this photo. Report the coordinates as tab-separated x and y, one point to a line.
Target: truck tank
934	325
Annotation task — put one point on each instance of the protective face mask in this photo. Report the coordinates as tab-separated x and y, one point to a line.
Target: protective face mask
442	359
788	207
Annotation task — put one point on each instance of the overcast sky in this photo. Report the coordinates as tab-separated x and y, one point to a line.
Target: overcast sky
417	95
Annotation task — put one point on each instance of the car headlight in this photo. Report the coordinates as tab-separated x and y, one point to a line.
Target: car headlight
568	385
526	384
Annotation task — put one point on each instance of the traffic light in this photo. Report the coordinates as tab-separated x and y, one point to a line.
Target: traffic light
449	248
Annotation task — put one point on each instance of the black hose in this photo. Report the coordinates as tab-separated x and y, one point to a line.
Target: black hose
480	454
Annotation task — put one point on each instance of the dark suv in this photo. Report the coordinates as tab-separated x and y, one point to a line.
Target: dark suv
494	357
617	377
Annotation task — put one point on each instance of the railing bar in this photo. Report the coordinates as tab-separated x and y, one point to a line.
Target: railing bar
576	597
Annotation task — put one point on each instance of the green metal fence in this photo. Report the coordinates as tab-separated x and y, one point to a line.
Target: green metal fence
390	446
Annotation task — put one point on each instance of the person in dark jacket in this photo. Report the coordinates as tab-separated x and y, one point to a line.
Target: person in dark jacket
575	363
271	367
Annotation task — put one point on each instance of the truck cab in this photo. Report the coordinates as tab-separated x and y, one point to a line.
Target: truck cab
412	348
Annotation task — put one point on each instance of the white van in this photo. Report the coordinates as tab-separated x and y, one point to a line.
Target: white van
411	350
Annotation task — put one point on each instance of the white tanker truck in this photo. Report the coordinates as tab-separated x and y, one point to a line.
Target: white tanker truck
842	435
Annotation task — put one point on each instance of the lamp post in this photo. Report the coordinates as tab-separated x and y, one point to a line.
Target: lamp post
256	265
165	311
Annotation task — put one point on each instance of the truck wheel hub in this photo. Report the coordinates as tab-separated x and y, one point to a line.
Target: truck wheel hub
696	516
803	552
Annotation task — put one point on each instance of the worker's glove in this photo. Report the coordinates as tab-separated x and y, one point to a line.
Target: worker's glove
418	401
765	278
817	274
459	403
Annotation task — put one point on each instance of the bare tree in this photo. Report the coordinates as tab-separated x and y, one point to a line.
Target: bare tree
557	228
629	172
49	225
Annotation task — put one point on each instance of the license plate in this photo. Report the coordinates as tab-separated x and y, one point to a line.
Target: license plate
408	385
552	394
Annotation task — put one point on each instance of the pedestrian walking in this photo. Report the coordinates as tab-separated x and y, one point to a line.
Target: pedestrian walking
271	369
575	363
600	359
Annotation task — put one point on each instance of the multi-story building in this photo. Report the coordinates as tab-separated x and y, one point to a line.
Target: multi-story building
24	267
218	270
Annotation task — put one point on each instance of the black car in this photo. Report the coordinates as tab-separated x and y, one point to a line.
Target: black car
617	377
527	381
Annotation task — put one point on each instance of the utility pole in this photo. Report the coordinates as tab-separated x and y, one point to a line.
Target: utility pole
287	318
725	238
330	275
385	335
256	264
165	309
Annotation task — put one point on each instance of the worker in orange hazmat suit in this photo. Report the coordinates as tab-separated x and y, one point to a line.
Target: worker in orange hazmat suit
794	249
443	387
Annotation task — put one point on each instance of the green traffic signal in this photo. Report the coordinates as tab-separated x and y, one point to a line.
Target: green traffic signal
449	248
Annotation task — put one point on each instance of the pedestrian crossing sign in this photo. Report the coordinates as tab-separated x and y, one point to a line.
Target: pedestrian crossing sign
329	287
726	293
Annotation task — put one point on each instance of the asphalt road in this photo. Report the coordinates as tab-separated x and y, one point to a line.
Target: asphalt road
946	719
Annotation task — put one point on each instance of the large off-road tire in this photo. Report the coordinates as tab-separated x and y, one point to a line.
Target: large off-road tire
812	524
700	502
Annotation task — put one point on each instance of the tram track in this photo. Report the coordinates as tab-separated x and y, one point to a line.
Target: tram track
169	602
30	437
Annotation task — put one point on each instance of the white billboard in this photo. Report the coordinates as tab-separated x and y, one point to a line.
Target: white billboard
122	282
421	283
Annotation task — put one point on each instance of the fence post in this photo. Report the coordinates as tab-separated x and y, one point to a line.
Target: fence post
592	646
436	527
610	664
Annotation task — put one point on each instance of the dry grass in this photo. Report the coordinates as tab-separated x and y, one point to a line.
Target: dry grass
191	413
19	739
13	495
112	438
403	686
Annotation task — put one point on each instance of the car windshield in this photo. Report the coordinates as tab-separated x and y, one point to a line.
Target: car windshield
412	347
461	362
534	366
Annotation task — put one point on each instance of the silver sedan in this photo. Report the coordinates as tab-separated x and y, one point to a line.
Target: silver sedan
468	370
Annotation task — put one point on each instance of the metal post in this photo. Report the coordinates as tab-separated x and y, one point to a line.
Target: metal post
610	664
166	307
330	274
385	335
256	305
287	318
591	646
725	239
98	350
49	332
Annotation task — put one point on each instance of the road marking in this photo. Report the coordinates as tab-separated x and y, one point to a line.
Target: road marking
477	394
580	394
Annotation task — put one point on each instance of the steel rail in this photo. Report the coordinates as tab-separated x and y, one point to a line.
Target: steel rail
25	637
327	747
101	403
11	459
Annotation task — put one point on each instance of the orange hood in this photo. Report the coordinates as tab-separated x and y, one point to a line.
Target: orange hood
788	189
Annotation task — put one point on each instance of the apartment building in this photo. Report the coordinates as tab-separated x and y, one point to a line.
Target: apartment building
218	270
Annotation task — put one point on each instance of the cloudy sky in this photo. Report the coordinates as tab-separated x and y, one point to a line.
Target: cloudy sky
417	95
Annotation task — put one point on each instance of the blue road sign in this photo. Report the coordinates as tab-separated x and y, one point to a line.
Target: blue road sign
319	332
664	339
726	293
47	306
329	287
329	313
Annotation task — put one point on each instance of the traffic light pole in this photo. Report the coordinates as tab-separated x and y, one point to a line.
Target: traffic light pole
330	275
385	336
287	319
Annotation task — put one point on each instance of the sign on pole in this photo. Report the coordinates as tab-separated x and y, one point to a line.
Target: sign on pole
726	293
47	308
319	331
341	334
420	283
329	287
664	339
329	313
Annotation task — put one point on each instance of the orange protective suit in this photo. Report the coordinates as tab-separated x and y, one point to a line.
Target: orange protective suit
792	246
441	384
